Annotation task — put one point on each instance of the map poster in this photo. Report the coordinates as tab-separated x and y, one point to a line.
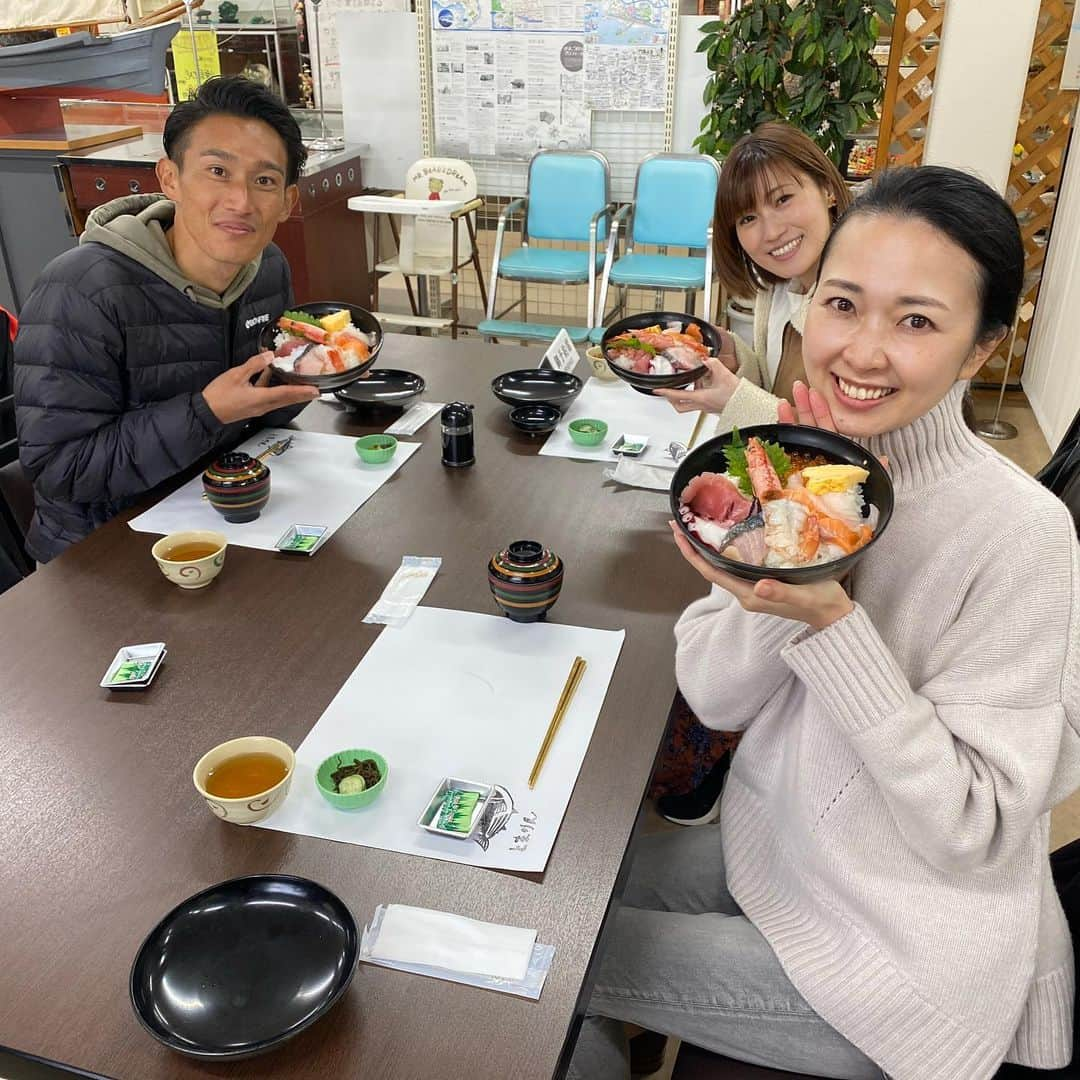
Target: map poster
521	16
626	54
627	22
626	78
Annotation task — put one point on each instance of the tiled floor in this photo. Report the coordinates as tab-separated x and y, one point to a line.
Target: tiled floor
1030	451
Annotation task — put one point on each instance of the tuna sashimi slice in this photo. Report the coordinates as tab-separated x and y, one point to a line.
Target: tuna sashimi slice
714	496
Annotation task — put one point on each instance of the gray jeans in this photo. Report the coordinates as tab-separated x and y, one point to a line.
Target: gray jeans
682	959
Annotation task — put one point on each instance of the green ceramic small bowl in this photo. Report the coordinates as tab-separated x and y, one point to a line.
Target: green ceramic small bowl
376	449
360	798
588	432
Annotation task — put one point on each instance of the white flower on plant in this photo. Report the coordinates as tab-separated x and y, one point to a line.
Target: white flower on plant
824	128
867	9
834	86
739	101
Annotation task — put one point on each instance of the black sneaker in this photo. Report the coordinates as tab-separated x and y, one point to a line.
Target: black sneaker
700	806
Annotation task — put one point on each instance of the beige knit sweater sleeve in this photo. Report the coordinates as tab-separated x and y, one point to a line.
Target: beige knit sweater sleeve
966	761
728	662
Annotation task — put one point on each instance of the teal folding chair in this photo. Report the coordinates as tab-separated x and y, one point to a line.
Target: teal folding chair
674	206
568	200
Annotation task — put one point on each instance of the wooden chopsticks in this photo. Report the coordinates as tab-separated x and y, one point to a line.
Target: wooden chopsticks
577	669
696	432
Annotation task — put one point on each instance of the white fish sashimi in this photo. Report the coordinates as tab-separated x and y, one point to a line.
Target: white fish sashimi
682	357
661	366
846	506
747	547
288	361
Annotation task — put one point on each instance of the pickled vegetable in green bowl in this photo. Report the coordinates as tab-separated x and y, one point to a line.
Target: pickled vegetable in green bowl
351	779
376	449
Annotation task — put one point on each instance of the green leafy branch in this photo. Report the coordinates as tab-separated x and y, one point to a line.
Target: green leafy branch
810	65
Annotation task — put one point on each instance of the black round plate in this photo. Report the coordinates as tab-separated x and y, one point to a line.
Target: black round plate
535	419
361	319
536	386
648	383
709	457
244	965
386	386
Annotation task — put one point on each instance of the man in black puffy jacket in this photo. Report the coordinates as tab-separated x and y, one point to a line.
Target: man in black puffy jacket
136	354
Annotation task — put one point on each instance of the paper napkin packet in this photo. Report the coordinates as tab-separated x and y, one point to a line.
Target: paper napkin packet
452	947
637	474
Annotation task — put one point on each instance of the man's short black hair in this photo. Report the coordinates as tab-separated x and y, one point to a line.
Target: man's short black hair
235	95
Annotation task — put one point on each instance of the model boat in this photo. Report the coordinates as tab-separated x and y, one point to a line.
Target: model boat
133	60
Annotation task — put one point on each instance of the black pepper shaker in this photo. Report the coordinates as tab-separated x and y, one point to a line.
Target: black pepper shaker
457	435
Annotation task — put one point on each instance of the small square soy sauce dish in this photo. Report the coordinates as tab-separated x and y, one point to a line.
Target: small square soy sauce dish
456	808
134	666
302	539
630	445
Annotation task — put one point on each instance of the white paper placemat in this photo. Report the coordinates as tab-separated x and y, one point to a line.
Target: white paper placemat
319	480
624	410
457	694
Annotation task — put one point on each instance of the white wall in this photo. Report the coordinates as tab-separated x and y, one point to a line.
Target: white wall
979	85
691	75
978	91
1051	377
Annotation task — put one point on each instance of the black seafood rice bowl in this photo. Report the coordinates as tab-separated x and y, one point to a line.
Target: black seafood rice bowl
325	344
660	350
782	501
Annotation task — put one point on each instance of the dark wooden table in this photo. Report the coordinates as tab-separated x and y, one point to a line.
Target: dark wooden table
101	831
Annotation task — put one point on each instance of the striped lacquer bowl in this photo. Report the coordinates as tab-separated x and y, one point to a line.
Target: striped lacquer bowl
237	486
525	580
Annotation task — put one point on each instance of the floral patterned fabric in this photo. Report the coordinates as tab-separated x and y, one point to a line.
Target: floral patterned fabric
689	751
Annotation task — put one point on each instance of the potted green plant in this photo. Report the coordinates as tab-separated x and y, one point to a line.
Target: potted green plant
809	63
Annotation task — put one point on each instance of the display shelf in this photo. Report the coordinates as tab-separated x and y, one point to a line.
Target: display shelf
239	47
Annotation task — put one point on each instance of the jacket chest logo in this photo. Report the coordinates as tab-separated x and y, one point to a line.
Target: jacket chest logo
255	320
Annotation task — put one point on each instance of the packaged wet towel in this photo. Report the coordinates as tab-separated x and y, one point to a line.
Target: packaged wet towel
404	590
442	945
632	473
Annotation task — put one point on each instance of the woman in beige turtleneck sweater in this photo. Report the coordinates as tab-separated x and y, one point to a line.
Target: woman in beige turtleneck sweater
877	898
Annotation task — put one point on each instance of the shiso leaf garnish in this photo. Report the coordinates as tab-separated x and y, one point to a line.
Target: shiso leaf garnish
301	317
632	343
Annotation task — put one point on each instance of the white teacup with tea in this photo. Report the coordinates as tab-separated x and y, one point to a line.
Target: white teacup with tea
191	559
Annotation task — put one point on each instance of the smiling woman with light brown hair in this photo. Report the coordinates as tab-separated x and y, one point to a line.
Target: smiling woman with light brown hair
778	198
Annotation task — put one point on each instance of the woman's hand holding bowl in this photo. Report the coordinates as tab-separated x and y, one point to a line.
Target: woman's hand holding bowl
709	394
818	605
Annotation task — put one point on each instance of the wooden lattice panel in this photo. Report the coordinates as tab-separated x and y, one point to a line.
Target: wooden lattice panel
909	81
1046	119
